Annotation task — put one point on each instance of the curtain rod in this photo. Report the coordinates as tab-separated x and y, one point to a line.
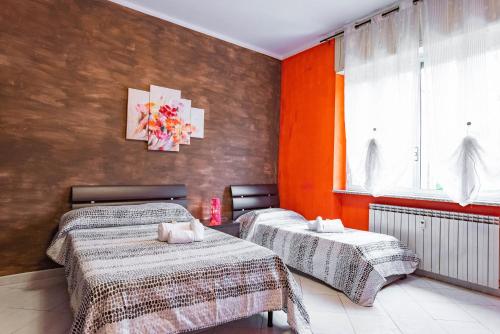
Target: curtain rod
363	22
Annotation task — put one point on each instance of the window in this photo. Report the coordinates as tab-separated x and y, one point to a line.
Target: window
429	181
426	125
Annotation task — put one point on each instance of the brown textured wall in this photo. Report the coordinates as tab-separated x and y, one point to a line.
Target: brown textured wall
64	71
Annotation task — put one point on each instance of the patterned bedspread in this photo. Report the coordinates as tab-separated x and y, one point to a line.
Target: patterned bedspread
356	262
122	280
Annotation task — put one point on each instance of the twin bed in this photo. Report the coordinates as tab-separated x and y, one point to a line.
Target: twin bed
358	263
122	279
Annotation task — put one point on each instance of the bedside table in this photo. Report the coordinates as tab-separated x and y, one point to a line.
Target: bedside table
229	228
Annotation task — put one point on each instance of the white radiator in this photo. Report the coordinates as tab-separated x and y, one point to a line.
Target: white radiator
457	245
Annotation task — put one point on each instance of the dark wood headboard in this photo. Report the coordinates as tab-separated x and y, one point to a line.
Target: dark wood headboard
83	196
249	197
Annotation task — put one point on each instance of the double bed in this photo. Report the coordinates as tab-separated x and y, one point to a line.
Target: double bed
358	263
122	279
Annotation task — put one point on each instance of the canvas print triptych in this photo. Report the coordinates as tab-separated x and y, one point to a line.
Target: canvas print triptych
163	118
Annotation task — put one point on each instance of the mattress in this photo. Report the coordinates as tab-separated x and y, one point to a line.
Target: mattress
122	279
358	263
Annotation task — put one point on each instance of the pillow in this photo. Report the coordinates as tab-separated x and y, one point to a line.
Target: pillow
112	216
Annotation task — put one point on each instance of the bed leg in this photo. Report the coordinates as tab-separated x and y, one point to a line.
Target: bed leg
270	319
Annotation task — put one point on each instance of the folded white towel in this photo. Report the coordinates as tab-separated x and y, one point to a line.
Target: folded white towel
330	226
178	236
198	230
312	225
165	228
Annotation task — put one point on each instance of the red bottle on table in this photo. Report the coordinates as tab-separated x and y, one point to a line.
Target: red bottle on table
215	211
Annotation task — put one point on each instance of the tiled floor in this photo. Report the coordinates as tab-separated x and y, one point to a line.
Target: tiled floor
414	305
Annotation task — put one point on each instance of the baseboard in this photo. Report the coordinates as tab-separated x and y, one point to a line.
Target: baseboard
31	276
454	281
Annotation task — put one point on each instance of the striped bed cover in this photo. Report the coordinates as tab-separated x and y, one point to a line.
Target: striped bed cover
121	279
358	263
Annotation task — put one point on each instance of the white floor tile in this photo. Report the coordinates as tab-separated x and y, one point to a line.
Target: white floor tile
416	281
418	325
446	311
369	324
426	294
323	303
410	306
31	276
403	308
49	322
39	284
441	285
310	286
40	299
459	327
393	292
14	319
331	323
488	316
6	295
355	309
465	296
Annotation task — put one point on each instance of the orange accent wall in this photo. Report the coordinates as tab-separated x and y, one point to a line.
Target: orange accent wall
305	167
312	145
339	159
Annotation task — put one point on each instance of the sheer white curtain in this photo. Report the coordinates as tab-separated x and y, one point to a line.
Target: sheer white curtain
461	44
382	100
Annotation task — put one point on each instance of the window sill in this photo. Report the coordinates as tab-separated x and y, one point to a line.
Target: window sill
415	196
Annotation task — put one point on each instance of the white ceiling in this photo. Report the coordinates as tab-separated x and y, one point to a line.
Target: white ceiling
278	28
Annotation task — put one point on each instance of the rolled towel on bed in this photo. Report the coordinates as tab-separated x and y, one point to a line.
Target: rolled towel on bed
178	236
198	230
313	224
165	228
330	226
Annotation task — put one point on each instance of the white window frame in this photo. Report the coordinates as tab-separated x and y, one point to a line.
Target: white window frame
417	193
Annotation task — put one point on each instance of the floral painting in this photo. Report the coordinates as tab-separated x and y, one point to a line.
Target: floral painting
197	123
162	118
137	114
164	126
185	115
